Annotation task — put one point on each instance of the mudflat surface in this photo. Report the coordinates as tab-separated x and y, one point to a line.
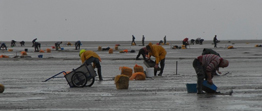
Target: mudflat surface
24	89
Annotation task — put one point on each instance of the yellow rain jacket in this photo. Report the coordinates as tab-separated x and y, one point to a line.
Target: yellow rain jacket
157	51
87	54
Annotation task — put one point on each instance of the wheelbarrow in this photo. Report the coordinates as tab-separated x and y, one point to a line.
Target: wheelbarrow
82	76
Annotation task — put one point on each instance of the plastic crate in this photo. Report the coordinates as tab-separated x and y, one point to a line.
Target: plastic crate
209	88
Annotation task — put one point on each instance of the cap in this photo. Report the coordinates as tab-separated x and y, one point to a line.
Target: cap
224	63
81	51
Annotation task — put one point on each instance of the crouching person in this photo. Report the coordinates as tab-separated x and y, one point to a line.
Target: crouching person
204	65
89	57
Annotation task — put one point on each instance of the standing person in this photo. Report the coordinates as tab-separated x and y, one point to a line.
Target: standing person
89	57
165	40
77	45
143	40
33	42
37	46
133	40
204	65
3	46
57	45
215	41
142	52
185	42
159	53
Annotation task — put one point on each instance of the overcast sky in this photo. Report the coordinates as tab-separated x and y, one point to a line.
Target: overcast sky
118	20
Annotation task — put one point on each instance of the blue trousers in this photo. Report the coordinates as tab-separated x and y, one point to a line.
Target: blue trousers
97	64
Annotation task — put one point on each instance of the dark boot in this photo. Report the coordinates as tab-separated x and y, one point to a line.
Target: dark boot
199	87
161	72
100	74
155	71
162	65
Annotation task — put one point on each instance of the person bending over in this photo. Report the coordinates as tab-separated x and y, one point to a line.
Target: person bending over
77	45
185	42
159	53
3	46
37	46
204	65
142	52
89	57
57	45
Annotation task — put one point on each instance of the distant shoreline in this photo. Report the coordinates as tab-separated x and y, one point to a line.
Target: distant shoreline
139	41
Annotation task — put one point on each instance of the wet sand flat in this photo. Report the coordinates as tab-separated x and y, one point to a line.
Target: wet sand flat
24	89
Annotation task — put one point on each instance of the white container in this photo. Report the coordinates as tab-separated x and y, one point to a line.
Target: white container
149	72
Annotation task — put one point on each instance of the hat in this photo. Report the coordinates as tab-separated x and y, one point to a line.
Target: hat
81	51
224	63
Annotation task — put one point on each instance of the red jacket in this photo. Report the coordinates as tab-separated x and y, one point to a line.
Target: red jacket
185	40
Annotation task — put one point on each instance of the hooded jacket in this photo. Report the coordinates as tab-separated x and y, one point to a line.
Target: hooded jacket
157	51
87	54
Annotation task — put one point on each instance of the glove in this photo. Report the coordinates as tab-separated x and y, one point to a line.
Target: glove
156	66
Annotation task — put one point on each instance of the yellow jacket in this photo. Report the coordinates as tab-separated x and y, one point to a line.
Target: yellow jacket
87	54
157	51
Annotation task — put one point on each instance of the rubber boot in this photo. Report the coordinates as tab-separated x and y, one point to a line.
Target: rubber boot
155	71
199	87
161	72
99	74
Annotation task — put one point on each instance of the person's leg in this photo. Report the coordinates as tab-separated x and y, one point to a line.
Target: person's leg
162	66
200	75
138	55
144	56
97	63
35	48
56	48
98	66
75	46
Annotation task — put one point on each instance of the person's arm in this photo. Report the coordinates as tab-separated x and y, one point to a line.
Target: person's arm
82	58
157	59
149	55
218	70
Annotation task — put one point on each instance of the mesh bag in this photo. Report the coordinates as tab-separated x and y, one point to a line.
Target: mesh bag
99	48
138	68
110	51
138	76
122	81
126	71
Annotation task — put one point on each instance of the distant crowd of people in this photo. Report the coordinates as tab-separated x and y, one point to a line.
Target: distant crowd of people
206	65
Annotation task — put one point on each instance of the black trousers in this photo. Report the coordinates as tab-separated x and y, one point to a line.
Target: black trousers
57	46
215	44
141	52
77	46
185	43
37	47
200	71
97	64
162	66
